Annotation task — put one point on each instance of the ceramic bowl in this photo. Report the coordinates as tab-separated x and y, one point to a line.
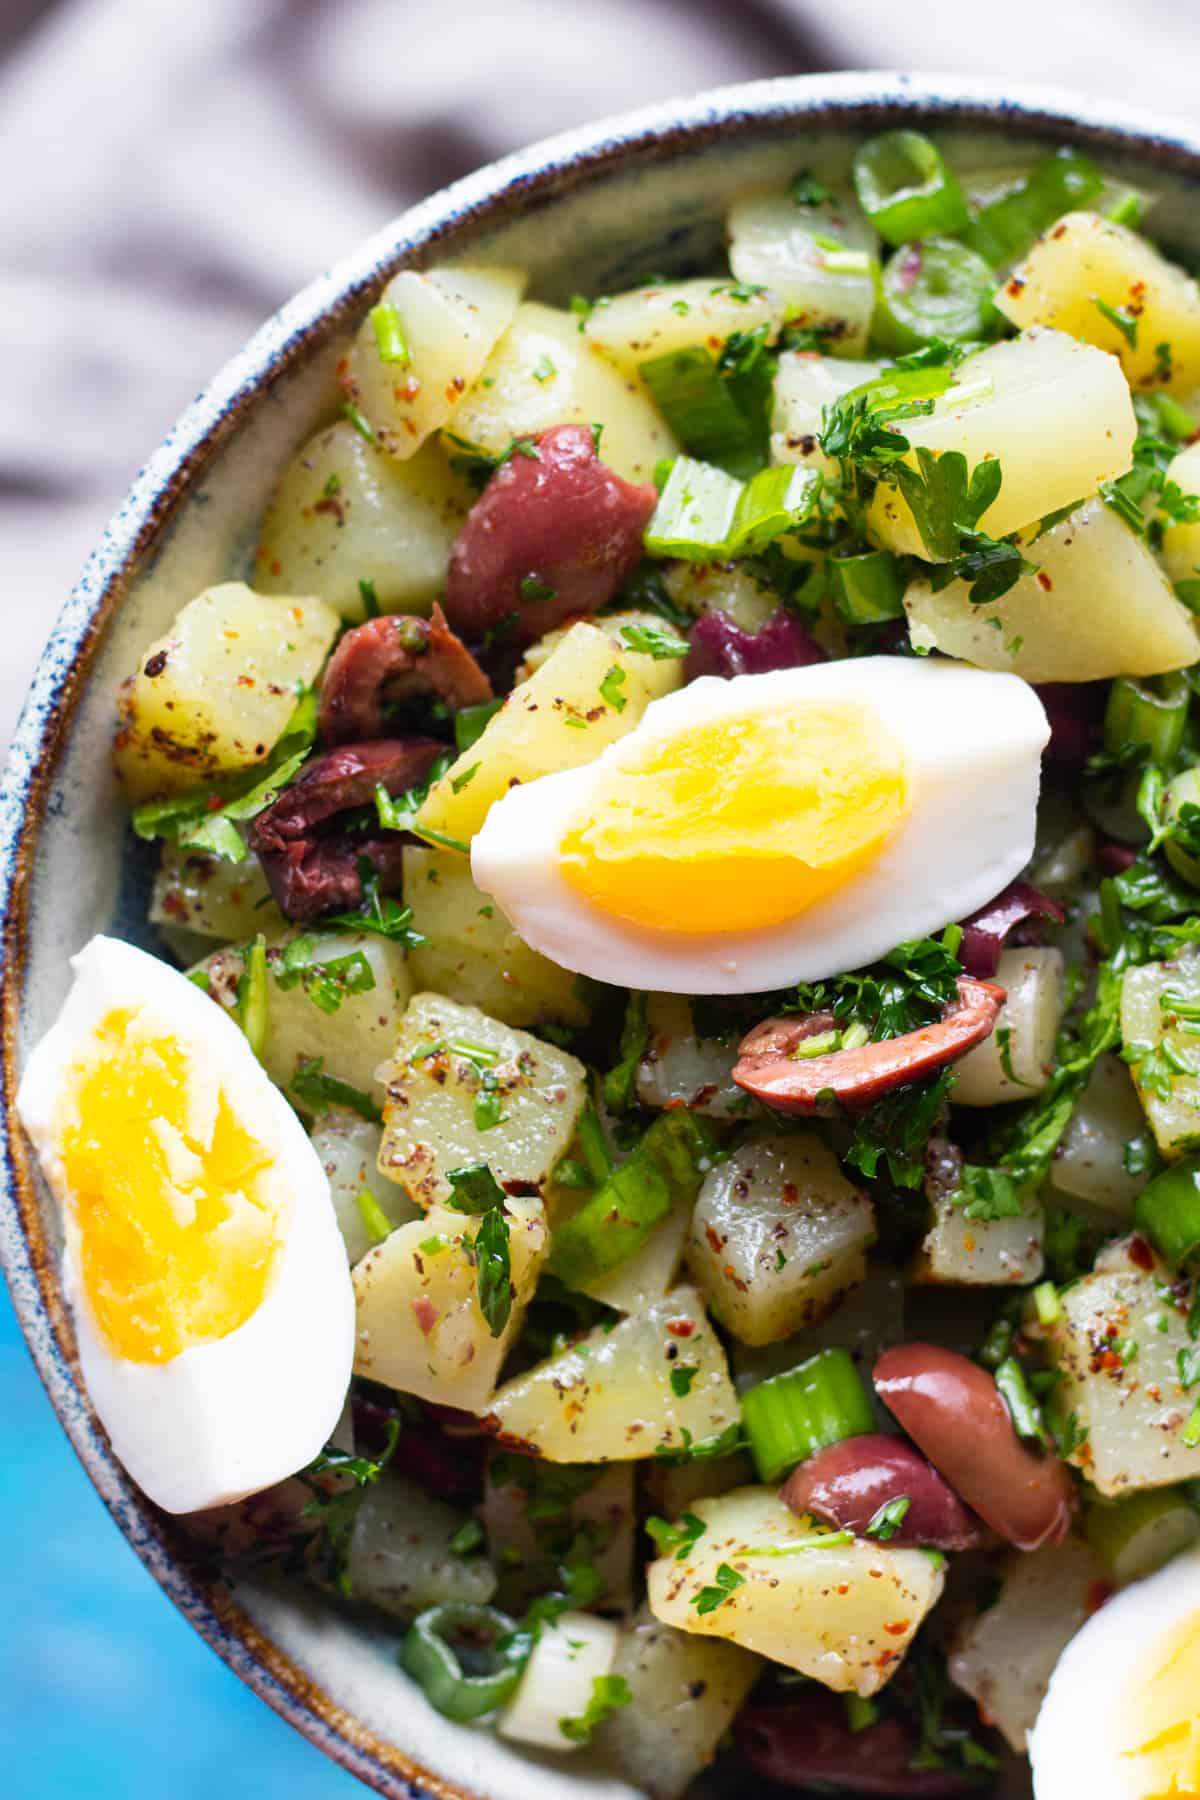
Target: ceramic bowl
591	210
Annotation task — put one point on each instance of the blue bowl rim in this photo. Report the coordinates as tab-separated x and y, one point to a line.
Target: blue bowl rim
527	180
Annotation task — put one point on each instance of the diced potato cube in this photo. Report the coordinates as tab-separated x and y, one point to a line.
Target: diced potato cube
450	319
1089	1163
346	513
451	1066
1004	1657
632	328
399	1556
1016	1060
973	1252
355	1036
1116	1341
1099	605
558	719
777	1236
663	677
721	587
804	386
775	243
214	695
1085	258
680	1069
686	1691
545	371
348	1147
1181	543
211	897
866	1322
843	1614
1055	413
532	1516
472	952
420	1326
1166	1071
621	1394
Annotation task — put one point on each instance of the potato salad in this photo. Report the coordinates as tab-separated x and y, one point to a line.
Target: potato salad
659	1155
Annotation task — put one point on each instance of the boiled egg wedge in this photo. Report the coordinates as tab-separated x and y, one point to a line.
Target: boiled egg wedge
202	1261
1121	1718
774	828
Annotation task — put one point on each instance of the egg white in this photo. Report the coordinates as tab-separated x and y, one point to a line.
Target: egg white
1075	1747
224	1419
973	743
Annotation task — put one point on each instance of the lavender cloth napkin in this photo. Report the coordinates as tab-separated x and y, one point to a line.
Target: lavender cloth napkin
174	172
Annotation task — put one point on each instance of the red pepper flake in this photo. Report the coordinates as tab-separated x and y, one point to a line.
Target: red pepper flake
898	1627
425	1313
715	1243
1044	581
1059	231
680	1328
1015	288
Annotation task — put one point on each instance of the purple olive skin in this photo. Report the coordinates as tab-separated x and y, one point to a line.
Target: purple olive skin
807	1739
848	1482
953	1411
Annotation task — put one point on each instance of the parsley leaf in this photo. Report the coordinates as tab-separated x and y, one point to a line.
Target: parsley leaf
619	1083
609	1692
677	1540
379	914
317	1092
336	1509
494	1270
727	1582
474	1189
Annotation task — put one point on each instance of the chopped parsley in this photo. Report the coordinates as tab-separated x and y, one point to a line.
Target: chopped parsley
317	1092
676	1540
682	1377
1122	317
727	1581
610	688
609	1693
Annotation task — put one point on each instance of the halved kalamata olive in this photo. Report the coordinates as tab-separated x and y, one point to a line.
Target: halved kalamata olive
808	1740
719	646
392	658
847	1483
553	535
859	1077
311	866
984	933
954	1412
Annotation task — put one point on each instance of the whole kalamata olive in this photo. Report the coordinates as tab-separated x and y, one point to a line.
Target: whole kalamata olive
808	1739
953	1411
848	1482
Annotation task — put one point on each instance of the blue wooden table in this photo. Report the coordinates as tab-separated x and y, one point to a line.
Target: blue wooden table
105	1692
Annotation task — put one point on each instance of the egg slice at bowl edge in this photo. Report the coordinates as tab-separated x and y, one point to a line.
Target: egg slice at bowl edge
202	1260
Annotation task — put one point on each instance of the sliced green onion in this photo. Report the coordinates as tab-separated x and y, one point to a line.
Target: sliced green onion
695	512
704	514
1023	1409
376	1223
1184	791
792	1416
664	1171
820	1044
868	587
697	404
469	724
1045	1302
1056	184
1150	711
847	262
594	1144
1140	1533
938	288
1167	1210
1126	209
1175	419
861	1711
390	340
905	188
456	1654
252	995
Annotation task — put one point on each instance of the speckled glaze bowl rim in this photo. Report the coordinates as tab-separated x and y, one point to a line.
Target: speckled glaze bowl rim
530	180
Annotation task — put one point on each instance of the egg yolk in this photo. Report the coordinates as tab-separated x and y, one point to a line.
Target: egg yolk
740	823
176	1232
1159	1732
